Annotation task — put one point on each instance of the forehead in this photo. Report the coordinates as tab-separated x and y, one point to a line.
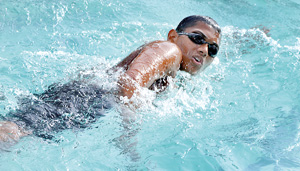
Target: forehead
200	27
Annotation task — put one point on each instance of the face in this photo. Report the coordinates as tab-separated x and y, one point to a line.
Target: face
195	57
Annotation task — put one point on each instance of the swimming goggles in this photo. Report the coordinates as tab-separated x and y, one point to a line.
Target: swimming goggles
199	39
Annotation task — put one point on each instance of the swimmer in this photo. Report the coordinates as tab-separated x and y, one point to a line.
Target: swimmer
191	47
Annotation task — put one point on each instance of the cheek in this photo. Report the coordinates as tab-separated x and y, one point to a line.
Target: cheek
185	47
208	61
186	51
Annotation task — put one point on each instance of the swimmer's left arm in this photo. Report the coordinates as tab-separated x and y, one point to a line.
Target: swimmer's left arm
157	60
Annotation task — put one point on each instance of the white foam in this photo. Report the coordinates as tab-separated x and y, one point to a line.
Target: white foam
252	33
3	59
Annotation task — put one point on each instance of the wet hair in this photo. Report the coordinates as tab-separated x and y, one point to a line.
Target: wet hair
193	19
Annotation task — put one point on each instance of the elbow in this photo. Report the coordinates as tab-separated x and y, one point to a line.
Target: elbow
124	86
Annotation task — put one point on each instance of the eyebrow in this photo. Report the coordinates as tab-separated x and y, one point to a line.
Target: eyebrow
202	34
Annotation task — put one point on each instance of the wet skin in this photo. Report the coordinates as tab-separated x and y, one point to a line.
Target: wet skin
10	131
151	64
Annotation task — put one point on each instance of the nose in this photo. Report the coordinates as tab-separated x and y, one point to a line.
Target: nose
203	50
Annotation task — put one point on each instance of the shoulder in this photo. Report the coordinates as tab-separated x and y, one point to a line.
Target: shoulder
163	50
164	46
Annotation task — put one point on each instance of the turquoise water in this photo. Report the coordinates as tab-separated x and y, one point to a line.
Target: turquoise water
242	113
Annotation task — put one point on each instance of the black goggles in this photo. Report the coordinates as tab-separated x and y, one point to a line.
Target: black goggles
199	39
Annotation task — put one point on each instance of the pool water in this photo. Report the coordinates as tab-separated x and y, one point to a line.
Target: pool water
242	113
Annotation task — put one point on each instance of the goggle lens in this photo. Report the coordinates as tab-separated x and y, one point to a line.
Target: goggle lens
199	39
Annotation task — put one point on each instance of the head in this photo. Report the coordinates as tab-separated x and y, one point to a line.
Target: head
198	37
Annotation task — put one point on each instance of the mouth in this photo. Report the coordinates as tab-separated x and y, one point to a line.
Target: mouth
198	60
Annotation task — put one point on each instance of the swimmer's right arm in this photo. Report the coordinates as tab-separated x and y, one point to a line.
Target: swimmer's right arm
156	60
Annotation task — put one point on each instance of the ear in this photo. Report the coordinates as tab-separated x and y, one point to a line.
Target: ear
172	36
